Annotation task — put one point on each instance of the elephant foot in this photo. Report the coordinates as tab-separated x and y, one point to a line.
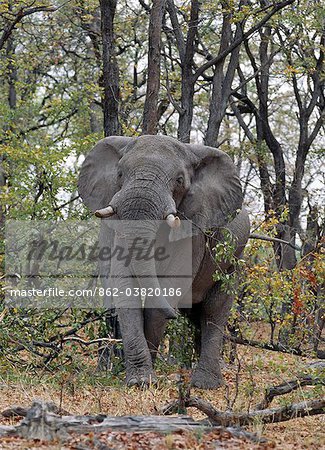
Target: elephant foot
205	379
141	378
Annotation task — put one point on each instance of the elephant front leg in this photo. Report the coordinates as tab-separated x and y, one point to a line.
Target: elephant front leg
139	370
214	316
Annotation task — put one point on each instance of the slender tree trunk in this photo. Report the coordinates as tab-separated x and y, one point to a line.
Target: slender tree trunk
12	102
112	127
313	245
285	255
264	179
186	50
313	231
257	142
150	116
222	82
93	32
186	117
188	80
12	74
110	69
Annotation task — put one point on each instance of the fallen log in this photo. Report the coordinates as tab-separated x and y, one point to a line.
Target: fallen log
272	415
42	423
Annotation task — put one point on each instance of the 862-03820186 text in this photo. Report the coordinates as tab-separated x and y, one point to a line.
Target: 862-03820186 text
140	292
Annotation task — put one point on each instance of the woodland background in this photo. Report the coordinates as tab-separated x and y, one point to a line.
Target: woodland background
247	76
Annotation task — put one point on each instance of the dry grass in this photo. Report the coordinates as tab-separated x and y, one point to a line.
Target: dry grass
86	393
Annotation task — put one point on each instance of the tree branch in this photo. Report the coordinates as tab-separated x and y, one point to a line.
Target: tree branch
219	58
319	123
19	17
73	199
282	414
176	29
287	387
94	341
273	347
272	239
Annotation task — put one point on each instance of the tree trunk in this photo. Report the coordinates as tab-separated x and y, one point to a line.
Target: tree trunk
110	69
111	118
150	117
221	84
12	102
285	255
188	80
186	117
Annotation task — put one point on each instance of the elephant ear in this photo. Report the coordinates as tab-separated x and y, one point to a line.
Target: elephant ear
98	175
215	195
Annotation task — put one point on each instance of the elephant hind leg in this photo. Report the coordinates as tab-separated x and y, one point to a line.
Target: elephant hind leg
214	315
154	328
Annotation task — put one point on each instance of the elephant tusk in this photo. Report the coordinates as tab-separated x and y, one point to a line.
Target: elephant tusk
105	212
173	221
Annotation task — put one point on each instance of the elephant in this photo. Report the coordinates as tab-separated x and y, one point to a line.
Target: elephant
157	179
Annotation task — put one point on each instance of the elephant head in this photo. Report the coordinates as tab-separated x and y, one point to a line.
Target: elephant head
152	178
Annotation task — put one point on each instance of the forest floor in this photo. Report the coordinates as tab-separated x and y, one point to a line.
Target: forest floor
87	392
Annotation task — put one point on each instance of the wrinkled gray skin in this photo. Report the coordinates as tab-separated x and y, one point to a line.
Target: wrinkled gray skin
147	178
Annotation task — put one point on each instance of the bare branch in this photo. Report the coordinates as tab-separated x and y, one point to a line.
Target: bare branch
73	199
219	58
273	347
176	29
319	123
8	29
287	387
271	239
217	417
94	341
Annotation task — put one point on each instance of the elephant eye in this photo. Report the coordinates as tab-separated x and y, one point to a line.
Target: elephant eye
180	180
119	174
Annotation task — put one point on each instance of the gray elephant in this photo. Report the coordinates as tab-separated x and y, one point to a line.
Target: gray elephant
156	178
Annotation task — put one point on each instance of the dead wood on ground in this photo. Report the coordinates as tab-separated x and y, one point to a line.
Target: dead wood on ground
272	415
42	422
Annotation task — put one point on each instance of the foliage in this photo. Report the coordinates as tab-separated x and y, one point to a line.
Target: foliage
288	300
181	342
224	250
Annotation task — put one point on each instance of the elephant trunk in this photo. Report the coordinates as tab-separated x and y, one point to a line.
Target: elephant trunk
140	209
140	206
140	245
